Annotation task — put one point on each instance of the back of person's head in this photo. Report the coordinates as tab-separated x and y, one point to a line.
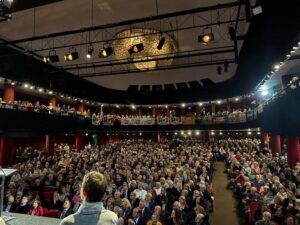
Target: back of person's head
93	187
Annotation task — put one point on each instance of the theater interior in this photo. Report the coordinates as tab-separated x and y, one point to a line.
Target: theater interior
190	109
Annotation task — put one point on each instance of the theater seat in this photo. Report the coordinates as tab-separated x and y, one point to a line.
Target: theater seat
52	213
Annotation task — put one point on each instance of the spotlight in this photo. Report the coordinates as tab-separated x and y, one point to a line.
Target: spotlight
26	85
226	65
90	51
133	107
106	51
219	102
200	103
236	99
12	83
52	57
161	43
182	105
31	87
41	89
219	70
136	48
197	133
206	38
50	92
277	66
72	55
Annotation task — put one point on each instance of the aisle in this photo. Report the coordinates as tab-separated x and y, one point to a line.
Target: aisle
224	203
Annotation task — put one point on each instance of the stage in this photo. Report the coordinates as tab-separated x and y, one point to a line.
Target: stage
21	219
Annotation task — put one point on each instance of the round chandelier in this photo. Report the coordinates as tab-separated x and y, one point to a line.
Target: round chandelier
144	46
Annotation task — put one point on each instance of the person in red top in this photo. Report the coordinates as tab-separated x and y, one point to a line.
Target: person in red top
36	209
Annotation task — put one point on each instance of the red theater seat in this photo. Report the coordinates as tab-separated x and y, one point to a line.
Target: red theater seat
51	213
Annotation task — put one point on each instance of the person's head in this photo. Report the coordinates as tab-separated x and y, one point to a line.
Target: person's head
290	220
93	187
132	195
157	209
148	196
142	204
67	204
11	199
135	212
176	205
117	195
35	203
199	218
267	216
24	200
154	218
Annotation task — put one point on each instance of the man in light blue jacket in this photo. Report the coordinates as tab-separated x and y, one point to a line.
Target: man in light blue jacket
92	212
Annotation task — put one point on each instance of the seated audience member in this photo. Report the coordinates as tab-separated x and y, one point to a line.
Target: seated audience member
145	212
11	206
23	207
91	211
55	202
154	220
266	220
136	218
36	209
67	210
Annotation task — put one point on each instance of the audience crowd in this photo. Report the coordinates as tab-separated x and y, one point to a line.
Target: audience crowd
148	183
267	189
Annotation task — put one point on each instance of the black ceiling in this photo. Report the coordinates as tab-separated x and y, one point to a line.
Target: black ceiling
271	36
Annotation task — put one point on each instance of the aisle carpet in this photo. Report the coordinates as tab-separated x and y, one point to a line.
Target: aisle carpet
224	203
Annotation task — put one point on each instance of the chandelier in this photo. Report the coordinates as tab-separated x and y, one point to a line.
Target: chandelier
148	57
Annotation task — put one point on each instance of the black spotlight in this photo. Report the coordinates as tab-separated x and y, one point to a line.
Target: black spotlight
219	70
72	55
206	38
161	43
106	51
136	48
89	52
52	57
226	65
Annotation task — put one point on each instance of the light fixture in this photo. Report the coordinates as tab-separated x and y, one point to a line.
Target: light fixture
212	133
176	133
12	83
41	89
288	55
133	106
117	106
182	105
50	92
89	52
136	48
206	38
295	47
264	93
258	133
293	51
31	87
182	132
219	102
249	132
166	106
87	134
221	133
197	132
189	133
236	99
106	51
161	43
277	66
52	57
140	133
26	85
72	55
200	104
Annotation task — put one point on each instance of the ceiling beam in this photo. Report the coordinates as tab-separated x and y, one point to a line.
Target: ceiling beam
129	22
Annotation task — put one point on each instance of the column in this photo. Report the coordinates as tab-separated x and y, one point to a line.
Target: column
78	140
265	139
228	106
52	101
156	137
6	151
9	93
213	108
80	107
101	139
275	144
154	113
49	144
292	150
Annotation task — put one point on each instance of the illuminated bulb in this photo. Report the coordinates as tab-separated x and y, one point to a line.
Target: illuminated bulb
31	87
236	99
197	133
200	103
189	133
219	102
26	85
276	67
182	105
41	89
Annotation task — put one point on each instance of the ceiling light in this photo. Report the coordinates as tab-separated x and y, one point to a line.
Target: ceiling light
89	52
249	132
258	133
136	48
31	87
41	89
182	105
12	83
236	99
26	85
264	93
166	106
206	38
106	51
52	57
219	102
277	66
161	43
197	133
288	55
72	55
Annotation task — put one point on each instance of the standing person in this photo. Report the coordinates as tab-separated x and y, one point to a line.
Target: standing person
92	211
